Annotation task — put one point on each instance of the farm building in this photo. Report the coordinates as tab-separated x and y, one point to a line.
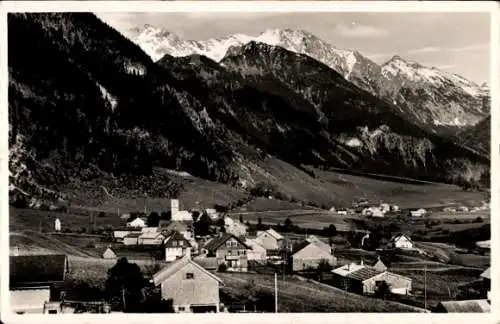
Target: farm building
402	241
270	239
190	287
35	280
230	250
372	211
131	238
176	246
136	252
308	255
418	212
363	279
463	306
109	253
449	210
320	243
120	233
257	252
150	238
183	227
235	227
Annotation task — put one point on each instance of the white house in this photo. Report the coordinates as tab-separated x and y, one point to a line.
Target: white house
372	211
131	239
270	239
176	247
385	208
463	209
57	225
402	241
342	212
418	213
257	252
177	214
138	222
189	286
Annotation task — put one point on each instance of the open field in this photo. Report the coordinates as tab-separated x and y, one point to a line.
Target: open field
302	296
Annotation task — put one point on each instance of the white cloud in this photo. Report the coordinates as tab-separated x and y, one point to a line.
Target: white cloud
427	49
360	31
475	47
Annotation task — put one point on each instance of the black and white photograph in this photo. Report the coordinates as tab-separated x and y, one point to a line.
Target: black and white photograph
248	162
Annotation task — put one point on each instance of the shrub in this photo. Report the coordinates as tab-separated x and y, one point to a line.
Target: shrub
222	267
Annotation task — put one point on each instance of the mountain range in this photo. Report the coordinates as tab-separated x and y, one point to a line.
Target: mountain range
88	105
437	99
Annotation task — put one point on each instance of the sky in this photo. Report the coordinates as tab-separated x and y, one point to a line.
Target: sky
455	42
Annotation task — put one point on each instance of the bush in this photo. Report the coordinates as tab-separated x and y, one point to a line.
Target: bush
222	267
478	220
101	215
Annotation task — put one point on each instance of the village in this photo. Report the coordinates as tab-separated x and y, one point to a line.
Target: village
193	257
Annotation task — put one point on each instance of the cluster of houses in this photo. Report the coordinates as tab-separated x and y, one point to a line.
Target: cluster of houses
381	210
464	209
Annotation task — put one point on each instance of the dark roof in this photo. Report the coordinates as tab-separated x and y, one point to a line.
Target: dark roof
134	234
217	241
30	270
175	236
138	251
175	225
299	246
364	274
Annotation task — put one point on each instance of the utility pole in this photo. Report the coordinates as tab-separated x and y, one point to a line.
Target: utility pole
275	292
425	286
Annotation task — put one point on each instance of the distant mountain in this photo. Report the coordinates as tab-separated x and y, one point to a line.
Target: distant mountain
86	105
437	99
477	137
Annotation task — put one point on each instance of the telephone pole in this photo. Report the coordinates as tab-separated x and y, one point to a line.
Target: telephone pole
425	286
275	292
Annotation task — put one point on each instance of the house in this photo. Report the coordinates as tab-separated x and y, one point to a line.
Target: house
230	250
120	233
176	246
463	209
385	208
308	255
177	214
189	286
325	246
136	252
372	211
463	306
109	253
484	245
183	227
57	225
131	239
402	241
137	222
150	238
449	210
257	252
235	227
394	208
418	213
35	280
212	213
342	212
149	230
364	279
379	265
270	239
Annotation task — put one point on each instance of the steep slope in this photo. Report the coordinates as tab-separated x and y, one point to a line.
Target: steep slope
434	98
90	103
371	133
477	137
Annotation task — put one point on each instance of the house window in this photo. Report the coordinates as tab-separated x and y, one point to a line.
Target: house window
189	275
234	244
181	243
228	243
174	243
229	252
52	311
181	309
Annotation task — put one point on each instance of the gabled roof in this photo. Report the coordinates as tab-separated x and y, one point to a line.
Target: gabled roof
300	246
175	236
149	235
466	306
313	239
180	226
400	235
364	273
217	241
138	251
177	265
275	234
486	274
347	269
30	270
